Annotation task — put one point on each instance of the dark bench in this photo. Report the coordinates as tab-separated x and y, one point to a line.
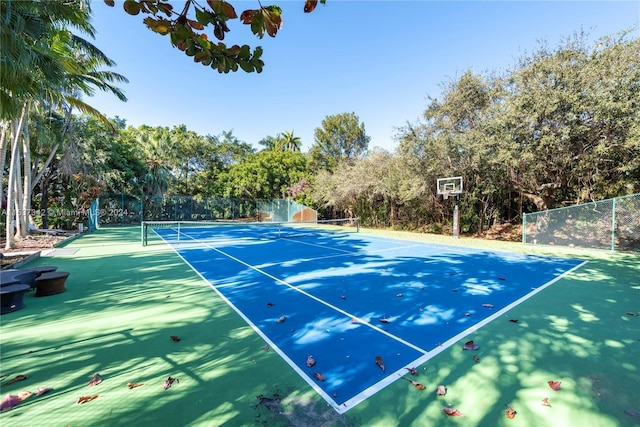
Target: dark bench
43	269
11	297
27	277
51	283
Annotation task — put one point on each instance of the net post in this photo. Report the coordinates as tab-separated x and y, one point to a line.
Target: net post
178	232
143	233
357	225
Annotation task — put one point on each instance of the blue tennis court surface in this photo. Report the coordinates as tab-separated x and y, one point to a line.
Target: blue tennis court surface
346	299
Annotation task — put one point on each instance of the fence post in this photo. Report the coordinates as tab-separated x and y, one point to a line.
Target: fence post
613	225
524	228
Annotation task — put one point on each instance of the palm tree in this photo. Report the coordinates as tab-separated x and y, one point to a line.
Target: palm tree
44	65
289	142
156	148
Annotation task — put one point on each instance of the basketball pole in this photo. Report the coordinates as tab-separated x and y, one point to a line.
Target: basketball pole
456	218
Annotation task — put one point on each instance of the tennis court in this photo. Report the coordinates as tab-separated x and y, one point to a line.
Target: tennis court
125	300
347	299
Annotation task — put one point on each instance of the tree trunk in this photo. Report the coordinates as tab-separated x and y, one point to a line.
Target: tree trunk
11	181
44	205
26	187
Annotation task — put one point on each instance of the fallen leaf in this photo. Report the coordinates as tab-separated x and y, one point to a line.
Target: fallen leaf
510	413
470	345
631	313
15	379
282	319
414	383
476	358
134	385
513	320
310	361
169	382
95	380
319	376
384	320
545	402
452	412
9	402
266	347
85	399
441	390
24	395
175	338
487	305
43	390
555	385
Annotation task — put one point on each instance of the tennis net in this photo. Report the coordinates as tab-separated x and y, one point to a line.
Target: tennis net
251	230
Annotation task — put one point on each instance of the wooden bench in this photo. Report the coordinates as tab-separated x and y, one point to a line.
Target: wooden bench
51	283
11	297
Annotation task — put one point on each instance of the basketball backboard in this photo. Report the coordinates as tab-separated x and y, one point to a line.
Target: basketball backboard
450	186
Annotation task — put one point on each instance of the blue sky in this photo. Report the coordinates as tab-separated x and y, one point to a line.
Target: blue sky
378	59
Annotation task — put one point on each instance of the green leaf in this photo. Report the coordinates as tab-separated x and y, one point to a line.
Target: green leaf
257	25
132	7
245	52
204	16
182	32
246	66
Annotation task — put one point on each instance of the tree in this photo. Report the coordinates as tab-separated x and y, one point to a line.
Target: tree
186	29
290	142
155	148
281	142
341	137
32	49
571	115
45	67
267	174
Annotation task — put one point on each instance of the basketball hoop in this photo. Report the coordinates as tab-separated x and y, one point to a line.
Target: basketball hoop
452	186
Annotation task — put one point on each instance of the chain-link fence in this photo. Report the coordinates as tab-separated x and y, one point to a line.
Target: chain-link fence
123	209
612	224
283	210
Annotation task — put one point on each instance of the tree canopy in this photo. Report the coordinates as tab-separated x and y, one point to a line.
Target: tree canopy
340	137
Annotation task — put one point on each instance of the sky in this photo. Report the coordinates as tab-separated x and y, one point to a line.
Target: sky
382	60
